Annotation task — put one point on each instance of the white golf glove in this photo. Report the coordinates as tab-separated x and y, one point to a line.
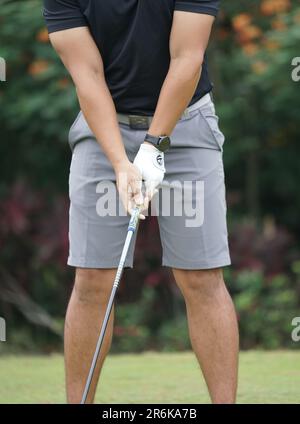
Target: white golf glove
150	162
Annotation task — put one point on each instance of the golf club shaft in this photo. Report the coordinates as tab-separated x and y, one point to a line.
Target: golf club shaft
131	229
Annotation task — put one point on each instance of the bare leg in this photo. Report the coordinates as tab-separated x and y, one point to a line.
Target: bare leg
213	329
84	318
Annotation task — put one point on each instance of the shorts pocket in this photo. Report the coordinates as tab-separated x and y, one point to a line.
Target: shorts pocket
211	121
79	131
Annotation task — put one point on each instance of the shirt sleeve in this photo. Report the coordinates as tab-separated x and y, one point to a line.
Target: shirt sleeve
63	14
207	7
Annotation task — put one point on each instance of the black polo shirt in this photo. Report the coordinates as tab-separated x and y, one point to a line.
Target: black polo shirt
133	39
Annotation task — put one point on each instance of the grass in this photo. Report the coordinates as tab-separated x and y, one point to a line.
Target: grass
264	377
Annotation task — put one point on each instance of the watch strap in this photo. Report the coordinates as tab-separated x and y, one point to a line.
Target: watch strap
152	139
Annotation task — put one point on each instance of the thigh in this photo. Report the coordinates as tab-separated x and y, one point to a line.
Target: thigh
97	220
194	230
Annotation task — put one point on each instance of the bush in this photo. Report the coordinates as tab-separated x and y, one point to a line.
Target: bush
131	333
265	307
174	335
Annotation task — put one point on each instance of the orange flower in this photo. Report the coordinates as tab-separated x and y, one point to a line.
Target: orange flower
267	8
249	33
240	21
250	49
42	36
278	24
38	67
297	18
259	67
271	44
271	7
63	83
223	34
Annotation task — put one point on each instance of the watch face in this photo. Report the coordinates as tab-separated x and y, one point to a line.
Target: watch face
164	143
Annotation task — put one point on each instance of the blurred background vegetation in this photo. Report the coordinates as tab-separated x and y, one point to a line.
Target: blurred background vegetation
251	56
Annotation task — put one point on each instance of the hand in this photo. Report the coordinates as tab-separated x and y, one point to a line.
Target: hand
150	162
129	184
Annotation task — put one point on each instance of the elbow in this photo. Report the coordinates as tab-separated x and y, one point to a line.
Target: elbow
191	63
88	81
194	58
196	65
198	59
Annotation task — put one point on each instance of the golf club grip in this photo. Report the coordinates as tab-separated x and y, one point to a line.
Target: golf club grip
131	229
134	219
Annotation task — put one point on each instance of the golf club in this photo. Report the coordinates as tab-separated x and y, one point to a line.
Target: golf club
130	231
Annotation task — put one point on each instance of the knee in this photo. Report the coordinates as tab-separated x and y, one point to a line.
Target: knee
93	285
204	283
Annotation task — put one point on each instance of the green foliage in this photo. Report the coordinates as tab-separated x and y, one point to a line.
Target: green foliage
265	309
37	101
174	335
258	103
131	333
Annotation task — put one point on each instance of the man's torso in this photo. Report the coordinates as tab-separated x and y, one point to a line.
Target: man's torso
133	39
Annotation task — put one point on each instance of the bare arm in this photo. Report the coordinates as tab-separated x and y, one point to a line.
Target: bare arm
188	41
82	59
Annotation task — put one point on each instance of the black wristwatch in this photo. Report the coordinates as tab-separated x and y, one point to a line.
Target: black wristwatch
161	142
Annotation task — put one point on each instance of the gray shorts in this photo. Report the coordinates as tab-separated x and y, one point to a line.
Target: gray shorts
96	240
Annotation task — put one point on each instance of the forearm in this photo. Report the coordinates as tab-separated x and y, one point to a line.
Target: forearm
188	42
178	89
99	110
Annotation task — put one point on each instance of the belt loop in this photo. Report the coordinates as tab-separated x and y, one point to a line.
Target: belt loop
186	113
